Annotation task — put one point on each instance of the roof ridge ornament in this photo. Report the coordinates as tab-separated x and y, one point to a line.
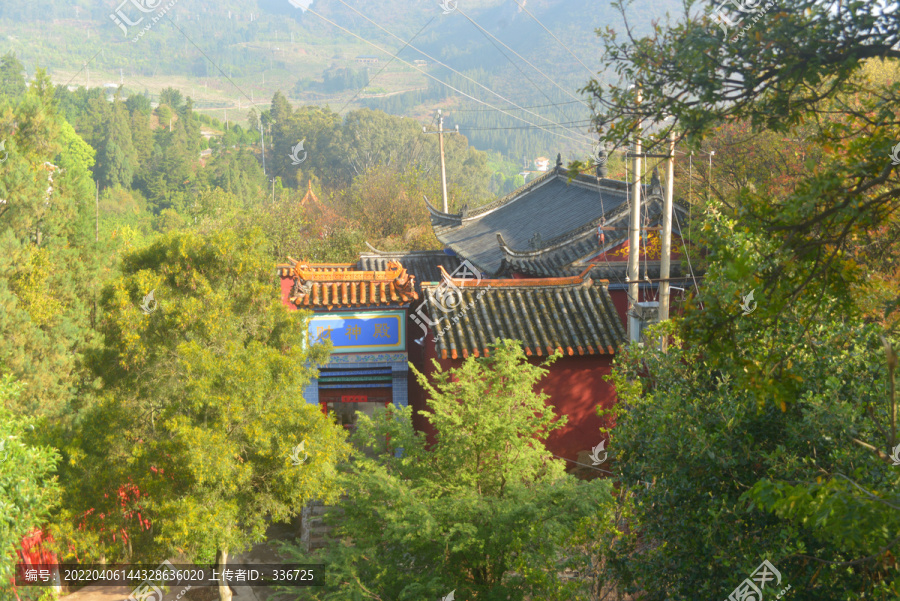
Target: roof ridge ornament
655	185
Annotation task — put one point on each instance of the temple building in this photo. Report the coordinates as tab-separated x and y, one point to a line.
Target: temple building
363	313
545	265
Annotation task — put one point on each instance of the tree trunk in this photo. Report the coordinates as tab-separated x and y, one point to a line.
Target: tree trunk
221	562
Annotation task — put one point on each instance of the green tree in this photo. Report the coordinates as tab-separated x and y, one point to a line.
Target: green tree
203	400
12	76
487	511
696	455
171	98
28	488
46	218
782	402
138	103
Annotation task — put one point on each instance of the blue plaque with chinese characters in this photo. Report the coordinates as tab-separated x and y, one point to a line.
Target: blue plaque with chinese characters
374	331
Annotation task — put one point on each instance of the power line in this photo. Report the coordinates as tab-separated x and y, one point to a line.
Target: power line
358	92
252	103
564	125
83	67
522	6
540	106
547	77
511	62
327	20
688	256
444	64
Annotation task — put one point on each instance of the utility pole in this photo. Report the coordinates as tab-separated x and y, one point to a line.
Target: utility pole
443	164
97	238
665	260
634	232
262	141
440	132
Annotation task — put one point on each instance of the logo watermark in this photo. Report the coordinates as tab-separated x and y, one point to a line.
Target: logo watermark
745	303
895	456
295	151
725	20
143	6
295	454
448	6
448	298
895	154
751	588
595	457
149	305
149	591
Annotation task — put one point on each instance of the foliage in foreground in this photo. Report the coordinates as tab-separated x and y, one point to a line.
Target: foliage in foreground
202	406
28	489
486	512
718	463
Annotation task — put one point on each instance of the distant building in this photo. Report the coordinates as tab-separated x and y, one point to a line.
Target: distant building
542	164
367	59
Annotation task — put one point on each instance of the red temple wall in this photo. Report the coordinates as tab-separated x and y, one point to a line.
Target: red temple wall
575	385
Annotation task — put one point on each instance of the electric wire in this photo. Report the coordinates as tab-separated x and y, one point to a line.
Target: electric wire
83	67
423	53
522	6
358	92
539	106
688	256
469	96
511	62
214	64
565	125
547	77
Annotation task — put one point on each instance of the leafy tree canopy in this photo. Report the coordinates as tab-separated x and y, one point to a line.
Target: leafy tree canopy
486	511
203	400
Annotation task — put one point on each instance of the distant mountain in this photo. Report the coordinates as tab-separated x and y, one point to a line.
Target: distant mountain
229	54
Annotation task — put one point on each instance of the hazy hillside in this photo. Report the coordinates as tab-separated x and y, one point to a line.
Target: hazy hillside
228	55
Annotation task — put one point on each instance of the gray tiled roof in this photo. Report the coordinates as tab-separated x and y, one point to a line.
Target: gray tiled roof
568	255
573	314
555	261
550	206
421	263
